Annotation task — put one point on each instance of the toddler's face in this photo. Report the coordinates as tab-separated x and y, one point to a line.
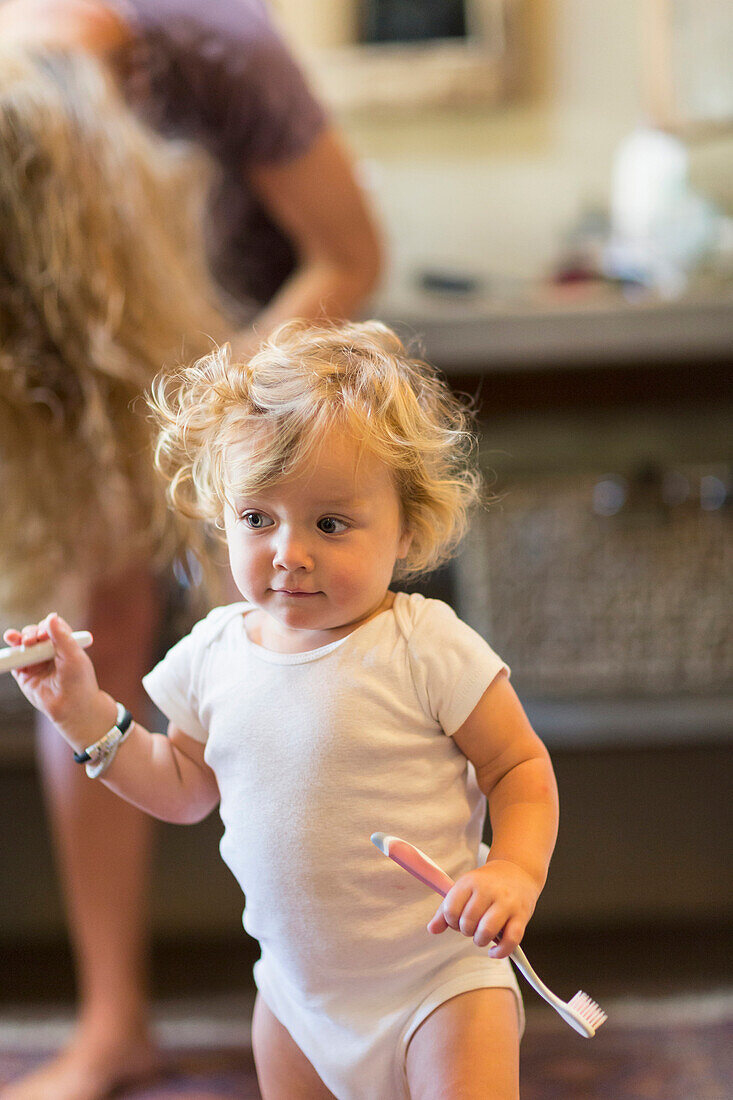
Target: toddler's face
317	550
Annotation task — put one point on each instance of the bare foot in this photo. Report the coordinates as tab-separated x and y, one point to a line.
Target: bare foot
88	1071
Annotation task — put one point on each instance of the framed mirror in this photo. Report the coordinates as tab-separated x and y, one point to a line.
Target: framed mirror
387	55
690	63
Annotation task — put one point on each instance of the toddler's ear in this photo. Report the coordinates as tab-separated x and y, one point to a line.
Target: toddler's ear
404	544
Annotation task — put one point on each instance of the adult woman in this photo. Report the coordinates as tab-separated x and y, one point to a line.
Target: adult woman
290	235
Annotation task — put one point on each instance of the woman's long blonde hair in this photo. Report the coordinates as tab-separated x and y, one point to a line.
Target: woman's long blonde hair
103	280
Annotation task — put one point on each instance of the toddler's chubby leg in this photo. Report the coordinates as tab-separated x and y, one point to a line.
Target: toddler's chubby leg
283	1071
467	1049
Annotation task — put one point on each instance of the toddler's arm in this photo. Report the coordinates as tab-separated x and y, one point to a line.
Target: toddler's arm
163	775
514	771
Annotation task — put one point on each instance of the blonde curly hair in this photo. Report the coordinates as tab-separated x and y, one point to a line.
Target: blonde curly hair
303	381
103	270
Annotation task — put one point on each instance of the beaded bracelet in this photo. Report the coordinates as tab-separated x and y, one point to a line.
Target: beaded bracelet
100	755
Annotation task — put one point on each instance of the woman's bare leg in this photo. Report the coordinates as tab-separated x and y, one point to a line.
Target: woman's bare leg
103	848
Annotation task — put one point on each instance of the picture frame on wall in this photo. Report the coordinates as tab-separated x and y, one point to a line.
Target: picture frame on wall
401	55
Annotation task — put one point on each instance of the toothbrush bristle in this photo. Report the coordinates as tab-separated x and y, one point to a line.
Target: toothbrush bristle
380	840
592	1013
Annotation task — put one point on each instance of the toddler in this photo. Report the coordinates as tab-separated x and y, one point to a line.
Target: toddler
326	706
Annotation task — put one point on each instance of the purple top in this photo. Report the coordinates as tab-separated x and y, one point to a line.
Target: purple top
216	72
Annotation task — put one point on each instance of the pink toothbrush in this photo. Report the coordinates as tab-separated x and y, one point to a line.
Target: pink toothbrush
580	1011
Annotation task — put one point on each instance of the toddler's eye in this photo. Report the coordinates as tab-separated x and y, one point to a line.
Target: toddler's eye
331	526
256	520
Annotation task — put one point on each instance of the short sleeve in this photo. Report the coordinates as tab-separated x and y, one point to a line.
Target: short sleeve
273	116
173	684
220	73
452	665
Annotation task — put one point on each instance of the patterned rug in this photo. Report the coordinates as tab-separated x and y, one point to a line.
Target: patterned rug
194	1075
669	1063
661	1050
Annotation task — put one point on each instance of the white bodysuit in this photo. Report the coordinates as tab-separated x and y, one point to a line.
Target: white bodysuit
313	752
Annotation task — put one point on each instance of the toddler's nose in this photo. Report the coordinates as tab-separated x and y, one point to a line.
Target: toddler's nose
292	552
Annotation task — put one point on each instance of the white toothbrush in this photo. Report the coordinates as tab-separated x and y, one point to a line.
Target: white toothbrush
20	656
580	1011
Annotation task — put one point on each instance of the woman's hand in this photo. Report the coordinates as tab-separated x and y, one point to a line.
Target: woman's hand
493	902
65	688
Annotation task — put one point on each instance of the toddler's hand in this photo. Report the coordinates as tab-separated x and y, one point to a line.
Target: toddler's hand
496	900
65	688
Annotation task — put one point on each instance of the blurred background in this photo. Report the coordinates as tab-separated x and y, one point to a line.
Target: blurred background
556	186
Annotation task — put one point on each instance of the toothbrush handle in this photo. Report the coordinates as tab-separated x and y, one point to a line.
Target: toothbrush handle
20	656
422	867
419	865
521	961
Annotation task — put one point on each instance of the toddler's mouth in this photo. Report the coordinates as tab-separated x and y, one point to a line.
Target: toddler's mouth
295	592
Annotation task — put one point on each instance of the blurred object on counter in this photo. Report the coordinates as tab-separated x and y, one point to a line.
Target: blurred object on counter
582	270
453	283
582	250
661	229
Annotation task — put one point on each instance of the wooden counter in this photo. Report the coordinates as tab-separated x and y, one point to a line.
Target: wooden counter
602	330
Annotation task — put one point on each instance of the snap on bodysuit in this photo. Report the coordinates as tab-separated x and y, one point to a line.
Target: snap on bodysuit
313	752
